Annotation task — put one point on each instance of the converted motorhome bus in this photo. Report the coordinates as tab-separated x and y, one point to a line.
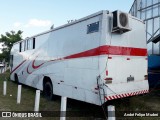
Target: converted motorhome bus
95	59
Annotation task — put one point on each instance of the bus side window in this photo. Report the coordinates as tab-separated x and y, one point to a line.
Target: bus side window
25	45
28	41
30	44
93	27
20	46
34	43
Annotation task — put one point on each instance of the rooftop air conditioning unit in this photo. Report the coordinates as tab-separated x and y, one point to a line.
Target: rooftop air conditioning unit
120	22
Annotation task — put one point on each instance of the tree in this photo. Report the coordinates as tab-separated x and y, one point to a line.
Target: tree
7	41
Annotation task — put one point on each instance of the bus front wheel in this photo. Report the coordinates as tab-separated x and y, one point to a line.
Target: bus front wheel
16	79
48	90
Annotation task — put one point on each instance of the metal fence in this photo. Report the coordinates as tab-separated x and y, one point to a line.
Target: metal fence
149	11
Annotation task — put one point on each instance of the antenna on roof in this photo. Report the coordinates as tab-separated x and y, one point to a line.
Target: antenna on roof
52	27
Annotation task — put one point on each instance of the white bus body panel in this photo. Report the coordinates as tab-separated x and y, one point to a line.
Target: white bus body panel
73	60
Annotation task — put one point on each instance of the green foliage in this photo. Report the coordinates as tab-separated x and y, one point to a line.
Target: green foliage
8	40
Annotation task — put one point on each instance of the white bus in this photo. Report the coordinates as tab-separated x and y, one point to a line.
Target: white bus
95	59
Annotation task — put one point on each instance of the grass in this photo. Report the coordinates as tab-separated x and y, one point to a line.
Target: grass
148	102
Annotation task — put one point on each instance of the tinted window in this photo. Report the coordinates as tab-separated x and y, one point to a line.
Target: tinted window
94	27
33	43
20	44
27	45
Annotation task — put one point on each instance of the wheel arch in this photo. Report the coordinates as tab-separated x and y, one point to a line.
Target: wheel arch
47	79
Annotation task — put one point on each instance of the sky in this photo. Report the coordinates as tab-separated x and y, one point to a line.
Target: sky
36	16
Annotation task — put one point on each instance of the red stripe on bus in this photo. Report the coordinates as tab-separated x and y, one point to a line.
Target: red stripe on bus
110	50
102	50
28	69
17	66
34	66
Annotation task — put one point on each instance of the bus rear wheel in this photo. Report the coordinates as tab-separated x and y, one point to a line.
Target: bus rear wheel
48	91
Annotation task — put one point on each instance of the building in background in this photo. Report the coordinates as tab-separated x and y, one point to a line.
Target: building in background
149	11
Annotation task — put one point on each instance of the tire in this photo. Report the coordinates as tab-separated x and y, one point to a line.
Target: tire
16	79
48	91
